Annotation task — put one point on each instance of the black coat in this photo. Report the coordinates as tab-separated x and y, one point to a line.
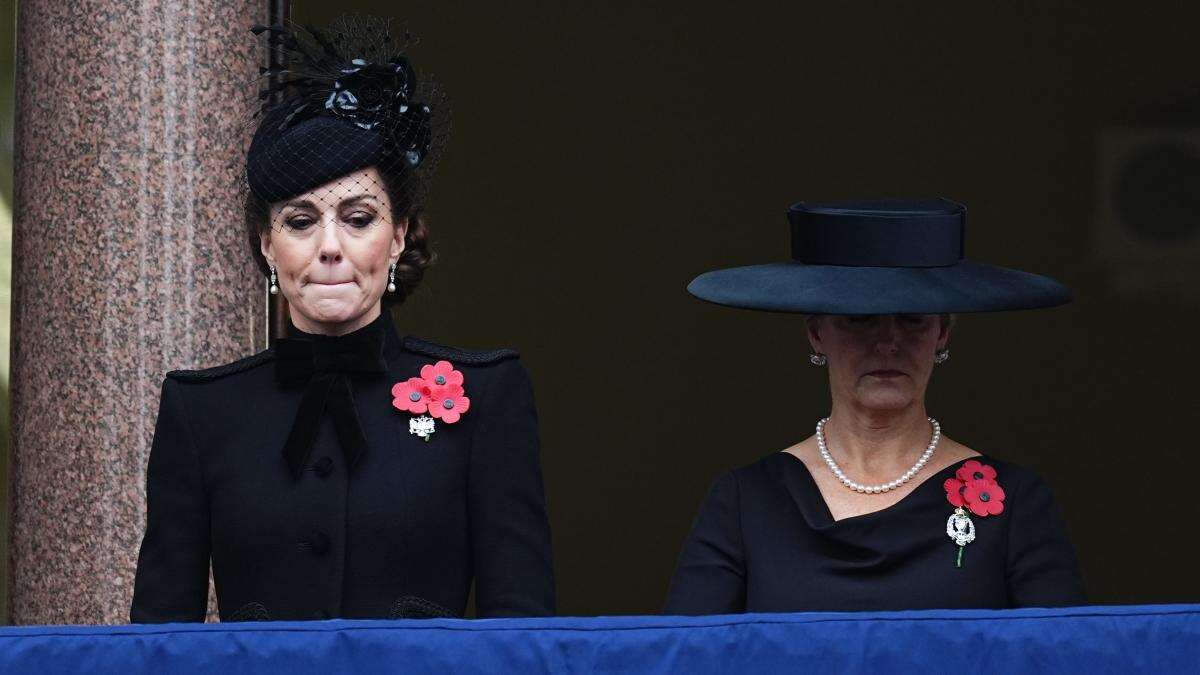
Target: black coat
406	517
765	541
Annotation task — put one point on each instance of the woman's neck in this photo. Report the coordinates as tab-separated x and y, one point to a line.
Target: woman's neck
307	325
867	442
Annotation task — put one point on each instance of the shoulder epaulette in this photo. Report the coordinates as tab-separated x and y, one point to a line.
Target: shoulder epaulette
206	374
454	355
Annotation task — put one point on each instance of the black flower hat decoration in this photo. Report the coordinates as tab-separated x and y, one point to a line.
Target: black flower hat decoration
347	97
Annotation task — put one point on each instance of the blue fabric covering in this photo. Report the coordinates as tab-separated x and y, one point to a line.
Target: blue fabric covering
1151	639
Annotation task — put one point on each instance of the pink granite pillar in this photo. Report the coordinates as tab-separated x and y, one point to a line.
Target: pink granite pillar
128	261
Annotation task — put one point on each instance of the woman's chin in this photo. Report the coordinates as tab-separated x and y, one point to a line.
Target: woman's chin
885	400
332	311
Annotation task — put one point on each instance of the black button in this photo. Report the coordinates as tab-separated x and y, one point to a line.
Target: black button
320	614
320	543
323	467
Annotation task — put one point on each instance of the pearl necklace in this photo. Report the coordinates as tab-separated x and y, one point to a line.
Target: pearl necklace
886	487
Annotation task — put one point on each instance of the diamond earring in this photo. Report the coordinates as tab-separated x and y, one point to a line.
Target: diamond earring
818	360
274	286
942	355
392	279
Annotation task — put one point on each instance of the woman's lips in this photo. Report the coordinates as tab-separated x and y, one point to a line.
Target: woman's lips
885	373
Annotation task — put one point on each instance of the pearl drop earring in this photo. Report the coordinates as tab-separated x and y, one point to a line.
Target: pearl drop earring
274	286
392	279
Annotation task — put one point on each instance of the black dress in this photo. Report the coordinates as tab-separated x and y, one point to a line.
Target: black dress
343	529
765	541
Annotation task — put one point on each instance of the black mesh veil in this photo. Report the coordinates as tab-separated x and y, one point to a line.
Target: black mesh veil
348	98
348	132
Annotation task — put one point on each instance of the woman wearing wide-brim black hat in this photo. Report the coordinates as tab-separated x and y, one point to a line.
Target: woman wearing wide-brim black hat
877	510
348	471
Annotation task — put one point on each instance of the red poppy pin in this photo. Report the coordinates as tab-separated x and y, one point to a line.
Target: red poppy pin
438	394
973	488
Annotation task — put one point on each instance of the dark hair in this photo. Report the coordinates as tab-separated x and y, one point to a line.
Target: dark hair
405	193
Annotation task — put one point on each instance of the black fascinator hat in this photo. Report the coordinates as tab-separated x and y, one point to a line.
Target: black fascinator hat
895	256
347	98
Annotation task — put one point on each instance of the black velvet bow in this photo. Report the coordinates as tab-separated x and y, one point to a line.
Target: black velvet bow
323	365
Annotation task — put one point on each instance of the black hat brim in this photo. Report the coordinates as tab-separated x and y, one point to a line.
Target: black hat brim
829	289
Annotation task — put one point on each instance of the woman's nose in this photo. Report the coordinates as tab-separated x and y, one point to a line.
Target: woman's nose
331	242
887	336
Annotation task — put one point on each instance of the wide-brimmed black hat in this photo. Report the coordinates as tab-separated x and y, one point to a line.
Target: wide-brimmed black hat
891	256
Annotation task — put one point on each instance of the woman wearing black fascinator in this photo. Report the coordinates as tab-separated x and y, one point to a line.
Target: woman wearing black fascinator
877	510
347	471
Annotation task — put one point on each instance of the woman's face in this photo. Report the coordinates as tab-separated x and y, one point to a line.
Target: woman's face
332	248
879	362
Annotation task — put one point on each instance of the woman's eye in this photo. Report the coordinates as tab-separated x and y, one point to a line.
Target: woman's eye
299	222
360	218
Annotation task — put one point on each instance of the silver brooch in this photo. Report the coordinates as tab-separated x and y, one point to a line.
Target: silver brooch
960	528
421	426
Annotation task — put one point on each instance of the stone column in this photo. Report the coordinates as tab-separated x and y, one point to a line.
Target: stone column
129	260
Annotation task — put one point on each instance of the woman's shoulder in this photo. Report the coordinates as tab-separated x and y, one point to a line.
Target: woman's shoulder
956	455
1011	475
245	365
763	473
456	355
487	373
1023	486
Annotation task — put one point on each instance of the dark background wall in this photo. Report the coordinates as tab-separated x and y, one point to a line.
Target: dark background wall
604	154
